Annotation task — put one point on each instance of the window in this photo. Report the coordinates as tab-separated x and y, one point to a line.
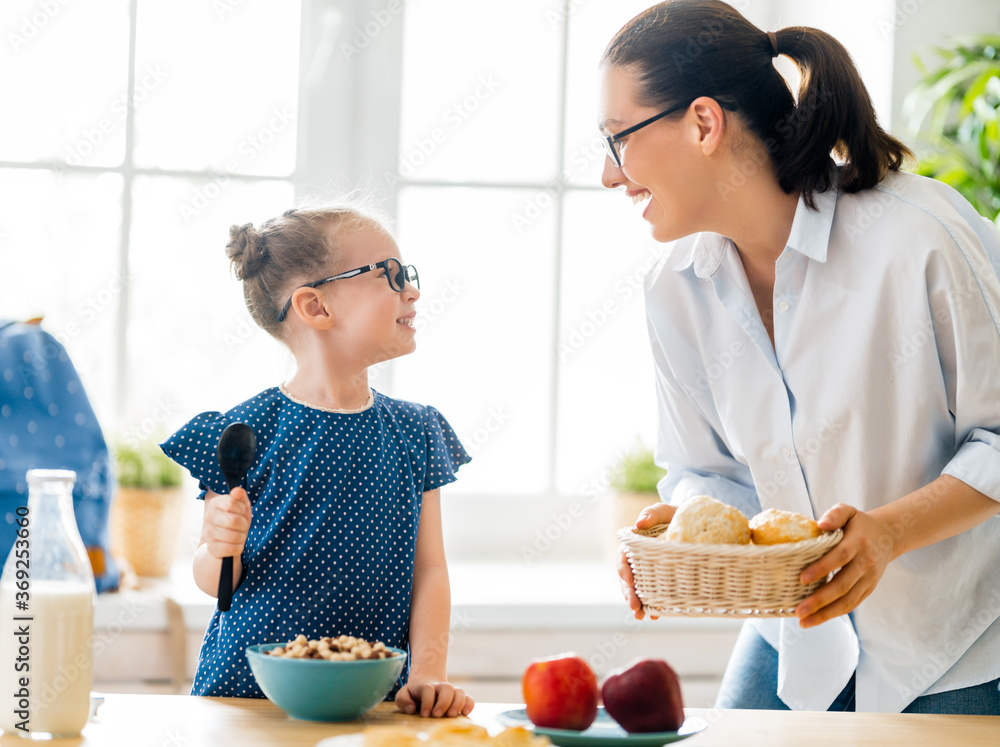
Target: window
533	340
116	217
477	122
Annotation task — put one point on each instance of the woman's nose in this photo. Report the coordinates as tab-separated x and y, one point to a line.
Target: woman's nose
612	175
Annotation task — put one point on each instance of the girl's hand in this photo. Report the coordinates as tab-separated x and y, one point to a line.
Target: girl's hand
862	556
658	513
435	699
226	523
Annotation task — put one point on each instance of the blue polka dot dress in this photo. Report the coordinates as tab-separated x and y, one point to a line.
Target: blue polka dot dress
336	503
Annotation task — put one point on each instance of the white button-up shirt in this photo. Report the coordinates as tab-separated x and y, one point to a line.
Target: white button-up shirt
884	374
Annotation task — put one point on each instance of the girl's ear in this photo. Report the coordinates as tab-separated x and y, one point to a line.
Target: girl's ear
308	305
711	123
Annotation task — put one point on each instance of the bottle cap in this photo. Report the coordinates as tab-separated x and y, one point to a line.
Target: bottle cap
50	475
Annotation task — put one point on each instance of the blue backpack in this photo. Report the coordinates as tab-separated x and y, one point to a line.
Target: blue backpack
46	422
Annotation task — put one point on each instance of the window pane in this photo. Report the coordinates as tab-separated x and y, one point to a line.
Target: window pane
191	343
226	97
591	27
484	325
66	65
59	247
480	91
606	396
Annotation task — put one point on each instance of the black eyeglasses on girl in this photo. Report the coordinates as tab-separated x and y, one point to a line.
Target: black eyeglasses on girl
396	274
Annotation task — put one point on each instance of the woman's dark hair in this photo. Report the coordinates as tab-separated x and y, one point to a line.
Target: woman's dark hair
683	49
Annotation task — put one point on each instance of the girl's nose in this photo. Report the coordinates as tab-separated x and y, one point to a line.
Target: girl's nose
611	176
410	292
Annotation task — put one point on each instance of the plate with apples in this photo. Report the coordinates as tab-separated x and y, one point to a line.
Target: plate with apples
642	704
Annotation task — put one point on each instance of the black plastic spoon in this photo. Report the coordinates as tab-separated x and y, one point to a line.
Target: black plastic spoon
237	449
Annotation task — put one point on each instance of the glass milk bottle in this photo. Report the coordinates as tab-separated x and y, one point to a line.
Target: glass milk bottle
47	597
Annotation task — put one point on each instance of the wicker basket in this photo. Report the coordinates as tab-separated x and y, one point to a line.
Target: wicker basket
145	528
691	579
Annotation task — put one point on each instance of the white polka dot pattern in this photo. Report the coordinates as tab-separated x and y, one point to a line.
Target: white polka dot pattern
336	505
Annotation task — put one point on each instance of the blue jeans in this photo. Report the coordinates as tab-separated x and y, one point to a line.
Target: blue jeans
751	681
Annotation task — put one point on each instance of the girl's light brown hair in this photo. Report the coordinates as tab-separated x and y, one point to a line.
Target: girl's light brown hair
297	247
683	49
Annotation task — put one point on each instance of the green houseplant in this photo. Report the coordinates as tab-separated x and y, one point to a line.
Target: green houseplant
955	112
147	510
634	480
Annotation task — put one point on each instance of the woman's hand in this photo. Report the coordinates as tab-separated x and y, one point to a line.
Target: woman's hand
861	557
226	523
659	513
433	698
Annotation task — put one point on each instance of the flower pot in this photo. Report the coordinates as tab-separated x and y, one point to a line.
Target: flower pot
145	528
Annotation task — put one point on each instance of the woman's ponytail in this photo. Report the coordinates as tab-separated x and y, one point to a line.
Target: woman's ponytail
834	113
683	49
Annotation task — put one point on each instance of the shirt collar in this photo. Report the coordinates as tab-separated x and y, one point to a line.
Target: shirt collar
703	250
810	235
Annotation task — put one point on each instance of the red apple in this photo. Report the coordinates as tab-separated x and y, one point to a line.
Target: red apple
644	696
560	692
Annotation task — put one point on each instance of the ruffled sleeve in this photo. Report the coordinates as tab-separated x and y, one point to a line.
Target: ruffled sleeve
445	453
195	447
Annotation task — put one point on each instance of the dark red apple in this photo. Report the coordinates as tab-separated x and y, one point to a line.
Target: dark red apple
560	692
644	696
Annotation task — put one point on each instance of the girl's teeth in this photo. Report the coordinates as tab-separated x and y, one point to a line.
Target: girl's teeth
640	197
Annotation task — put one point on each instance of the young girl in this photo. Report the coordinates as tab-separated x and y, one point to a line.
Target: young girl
339	528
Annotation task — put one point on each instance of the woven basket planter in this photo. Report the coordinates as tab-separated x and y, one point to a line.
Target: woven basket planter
692	579
145	528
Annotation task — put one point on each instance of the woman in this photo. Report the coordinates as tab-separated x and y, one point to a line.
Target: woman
827	341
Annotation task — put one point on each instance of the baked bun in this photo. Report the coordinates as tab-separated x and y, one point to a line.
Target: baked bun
772	527
704	519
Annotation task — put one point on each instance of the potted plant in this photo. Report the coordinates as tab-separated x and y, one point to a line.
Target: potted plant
955	110
147	510
634	480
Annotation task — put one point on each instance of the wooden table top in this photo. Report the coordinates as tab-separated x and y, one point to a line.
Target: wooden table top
186	721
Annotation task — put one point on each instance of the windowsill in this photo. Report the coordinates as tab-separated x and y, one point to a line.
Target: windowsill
552	595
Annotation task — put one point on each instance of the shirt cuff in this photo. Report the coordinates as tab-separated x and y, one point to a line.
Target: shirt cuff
977	463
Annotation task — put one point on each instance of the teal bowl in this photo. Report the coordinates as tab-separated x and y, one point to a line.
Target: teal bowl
320	690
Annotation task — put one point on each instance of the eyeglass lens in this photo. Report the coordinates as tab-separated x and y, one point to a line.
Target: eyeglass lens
398	274
611	148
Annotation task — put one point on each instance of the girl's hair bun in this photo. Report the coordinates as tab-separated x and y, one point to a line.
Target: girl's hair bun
246	251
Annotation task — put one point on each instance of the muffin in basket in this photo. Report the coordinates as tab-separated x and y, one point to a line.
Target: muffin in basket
705	519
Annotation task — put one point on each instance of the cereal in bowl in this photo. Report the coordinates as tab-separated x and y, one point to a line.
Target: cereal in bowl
341	648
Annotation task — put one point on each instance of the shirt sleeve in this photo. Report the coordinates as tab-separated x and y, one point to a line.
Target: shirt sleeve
195	447
445	453
696	458
964	297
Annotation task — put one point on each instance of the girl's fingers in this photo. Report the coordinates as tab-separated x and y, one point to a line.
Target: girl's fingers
445	696
404	702
469	705
426	700
457	704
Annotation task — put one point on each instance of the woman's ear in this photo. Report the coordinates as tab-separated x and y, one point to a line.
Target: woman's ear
309	306
711	123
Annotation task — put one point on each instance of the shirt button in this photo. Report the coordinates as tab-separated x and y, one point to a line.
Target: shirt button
783	306
786	452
